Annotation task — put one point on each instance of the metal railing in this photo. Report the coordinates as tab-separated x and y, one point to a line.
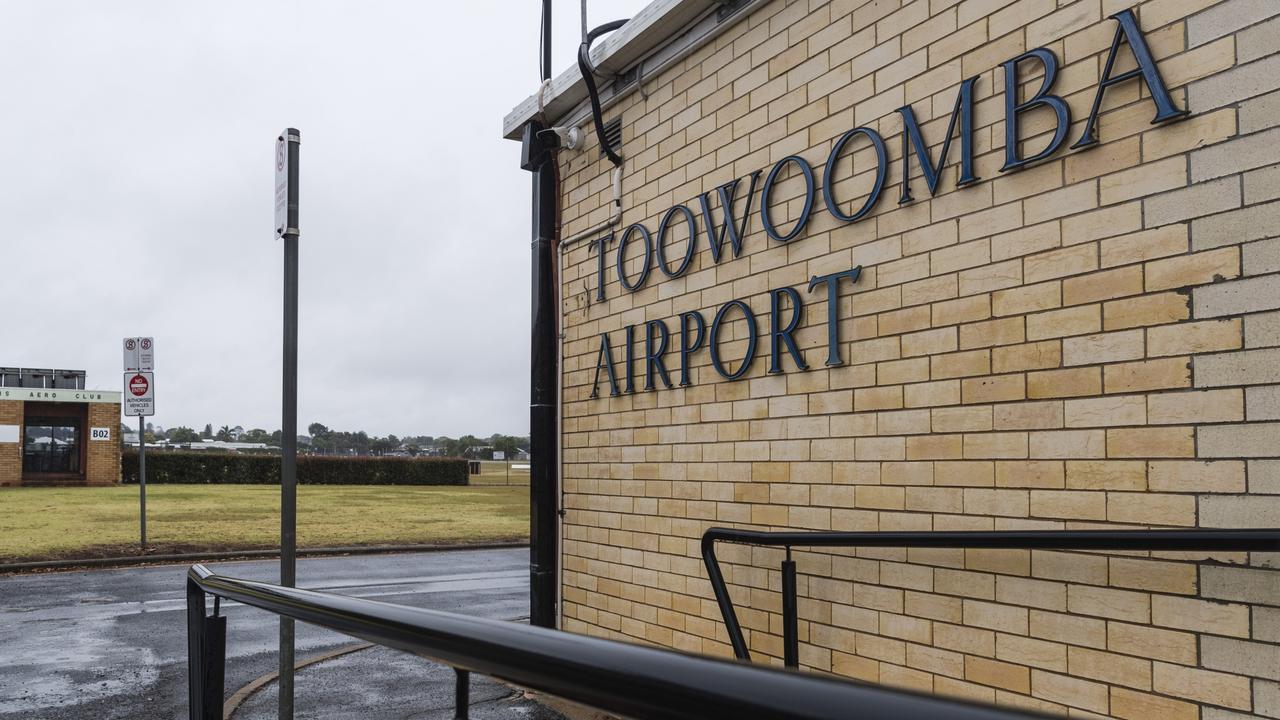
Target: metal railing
629	680
1257	540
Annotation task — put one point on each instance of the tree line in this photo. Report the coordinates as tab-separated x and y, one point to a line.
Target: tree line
322	440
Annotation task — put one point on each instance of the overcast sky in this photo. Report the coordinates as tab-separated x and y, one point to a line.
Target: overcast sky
136	142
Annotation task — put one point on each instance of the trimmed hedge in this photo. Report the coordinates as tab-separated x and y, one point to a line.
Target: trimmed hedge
217	468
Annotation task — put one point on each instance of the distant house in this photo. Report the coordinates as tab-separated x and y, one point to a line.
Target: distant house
225	446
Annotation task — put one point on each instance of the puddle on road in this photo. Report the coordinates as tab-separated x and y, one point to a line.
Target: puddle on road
71	665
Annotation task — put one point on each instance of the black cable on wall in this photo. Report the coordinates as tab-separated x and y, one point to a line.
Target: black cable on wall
588	76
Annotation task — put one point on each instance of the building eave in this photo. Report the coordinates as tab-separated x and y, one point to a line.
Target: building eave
657	24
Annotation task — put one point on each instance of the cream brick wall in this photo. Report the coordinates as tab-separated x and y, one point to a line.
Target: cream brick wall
103	456
1093	341
11	453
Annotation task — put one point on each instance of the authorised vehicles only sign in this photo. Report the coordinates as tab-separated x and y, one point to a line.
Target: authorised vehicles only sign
139	394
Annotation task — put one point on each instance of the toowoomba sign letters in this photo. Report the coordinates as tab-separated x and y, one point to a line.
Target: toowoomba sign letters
669	347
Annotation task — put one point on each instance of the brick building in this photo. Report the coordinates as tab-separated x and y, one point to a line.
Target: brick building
54	432
1066	316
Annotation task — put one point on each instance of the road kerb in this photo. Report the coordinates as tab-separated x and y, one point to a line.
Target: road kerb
238	697
88	563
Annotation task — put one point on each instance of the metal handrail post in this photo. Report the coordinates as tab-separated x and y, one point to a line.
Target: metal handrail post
721	591
461	694
197	657
790	614
206	656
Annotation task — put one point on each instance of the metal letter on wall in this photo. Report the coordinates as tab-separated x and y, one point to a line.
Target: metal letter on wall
646	259
605	359
653	357
1013	109
715	236
765	217
911	137
828	180
714	340
660	240
687	348
832	282
1129	31
779	337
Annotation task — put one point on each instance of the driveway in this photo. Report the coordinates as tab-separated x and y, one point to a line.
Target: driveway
110	644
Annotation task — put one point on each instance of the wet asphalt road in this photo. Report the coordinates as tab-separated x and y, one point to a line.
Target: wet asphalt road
108	644
385	684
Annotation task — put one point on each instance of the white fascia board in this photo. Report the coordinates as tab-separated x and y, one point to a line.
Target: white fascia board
653	26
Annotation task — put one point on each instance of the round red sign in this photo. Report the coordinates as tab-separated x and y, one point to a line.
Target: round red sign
138	385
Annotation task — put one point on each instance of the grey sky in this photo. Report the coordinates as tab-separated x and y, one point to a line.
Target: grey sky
135	199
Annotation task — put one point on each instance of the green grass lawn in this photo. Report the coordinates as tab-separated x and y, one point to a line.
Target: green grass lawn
60	523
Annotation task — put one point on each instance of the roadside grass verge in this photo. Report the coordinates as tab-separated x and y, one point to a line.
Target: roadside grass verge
81	523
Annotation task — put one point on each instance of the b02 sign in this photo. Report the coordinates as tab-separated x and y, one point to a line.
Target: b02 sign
103	433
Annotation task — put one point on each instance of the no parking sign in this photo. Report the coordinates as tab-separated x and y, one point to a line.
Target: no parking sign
139	354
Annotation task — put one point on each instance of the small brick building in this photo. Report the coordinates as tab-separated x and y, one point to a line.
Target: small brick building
59	436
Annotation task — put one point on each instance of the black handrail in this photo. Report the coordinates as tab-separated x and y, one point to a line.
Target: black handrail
1252	540
630	680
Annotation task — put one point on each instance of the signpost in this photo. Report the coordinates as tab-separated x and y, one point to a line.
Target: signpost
140	401
502	455
286	226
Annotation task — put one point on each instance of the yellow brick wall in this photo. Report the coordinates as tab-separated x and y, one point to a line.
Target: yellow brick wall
1091	342
103	456
11	453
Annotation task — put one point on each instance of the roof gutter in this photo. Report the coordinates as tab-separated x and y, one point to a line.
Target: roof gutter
661	34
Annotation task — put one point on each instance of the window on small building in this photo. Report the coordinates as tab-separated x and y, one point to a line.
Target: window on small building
51	445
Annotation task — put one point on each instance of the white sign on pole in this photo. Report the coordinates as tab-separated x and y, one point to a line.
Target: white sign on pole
100	433
282	183
139	354
499	455
139	394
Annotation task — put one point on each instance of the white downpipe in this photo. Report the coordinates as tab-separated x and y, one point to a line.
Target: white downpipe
561	247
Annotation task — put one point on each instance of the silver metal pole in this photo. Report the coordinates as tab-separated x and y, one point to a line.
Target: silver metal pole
289	430
142	479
